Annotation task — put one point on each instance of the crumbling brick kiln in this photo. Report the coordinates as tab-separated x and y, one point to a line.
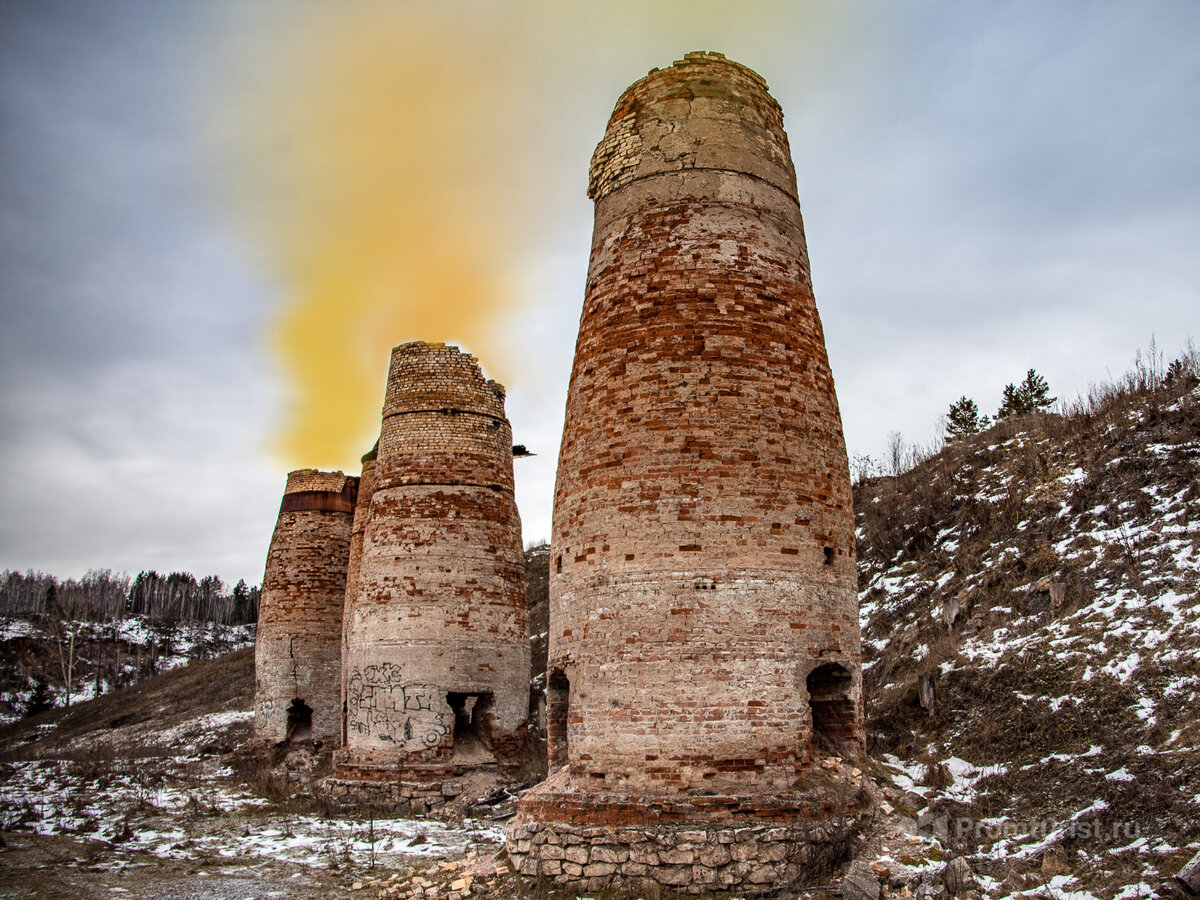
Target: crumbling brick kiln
297	653
435	655
704	638
393	620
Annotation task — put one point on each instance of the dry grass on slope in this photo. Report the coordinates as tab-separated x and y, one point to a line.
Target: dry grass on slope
142	713
1042	581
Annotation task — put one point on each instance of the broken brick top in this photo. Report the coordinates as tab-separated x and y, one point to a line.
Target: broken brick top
314	480
704	112
443	422
310	489
439	377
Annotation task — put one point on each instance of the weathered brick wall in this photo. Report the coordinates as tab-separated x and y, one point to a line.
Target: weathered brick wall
703	549
298	648
366	489
438	612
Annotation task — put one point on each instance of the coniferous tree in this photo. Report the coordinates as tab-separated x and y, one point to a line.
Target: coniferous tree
1036	392
1010	403
964	419
1180	373
40	700
1030	396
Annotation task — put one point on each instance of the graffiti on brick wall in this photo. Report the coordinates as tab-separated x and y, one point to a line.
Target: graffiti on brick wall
380	706
266	709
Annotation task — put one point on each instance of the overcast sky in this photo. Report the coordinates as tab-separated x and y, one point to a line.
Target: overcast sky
986	188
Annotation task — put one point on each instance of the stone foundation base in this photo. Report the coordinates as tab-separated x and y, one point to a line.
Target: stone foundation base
688	859
394	797
387	784
593	840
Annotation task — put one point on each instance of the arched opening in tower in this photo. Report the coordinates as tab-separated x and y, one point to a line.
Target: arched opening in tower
830	699
558	707
299	721
472	739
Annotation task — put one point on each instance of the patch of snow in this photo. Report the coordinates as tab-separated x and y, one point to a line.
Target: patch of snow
1095	806
11	629
908	775
1145	710
1138	844
966	776
1122	667
1141	889
59	797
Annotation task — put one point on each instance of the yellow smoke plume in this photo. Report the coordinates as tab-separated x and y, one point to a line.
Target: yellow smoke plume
386	165
365	143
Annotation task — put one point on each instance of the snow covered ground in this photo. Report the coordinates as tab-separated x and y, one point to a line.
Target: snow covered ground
184	806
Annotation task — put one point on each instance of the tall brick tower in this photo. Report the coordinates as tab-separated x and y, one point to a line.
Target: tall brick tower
297	654
704	634
436	632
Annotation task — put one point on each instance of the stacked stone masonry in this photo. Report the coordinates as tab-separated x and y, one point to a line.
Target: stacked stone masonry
436	645
394	797
703	606
298	648
687	859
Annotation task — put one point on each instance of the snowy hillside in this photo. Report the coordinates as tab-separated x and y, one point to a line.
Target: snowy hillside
106	655
1031	638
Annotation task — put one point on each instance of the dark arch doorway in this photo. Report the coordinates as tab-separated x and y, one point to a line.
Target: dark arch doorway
299	721
830	698
558	710
472	716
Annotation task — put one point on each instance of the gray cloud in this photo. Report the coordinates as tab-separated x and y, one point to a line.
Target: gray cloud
1013	186
985	188
133	393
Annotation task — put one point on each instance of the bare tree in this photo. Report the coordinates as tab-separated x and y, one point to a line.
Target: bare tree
896	454
67	615
862	467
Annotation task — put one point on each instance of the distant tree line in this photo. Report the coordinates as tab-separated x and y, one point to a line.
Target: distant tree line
82	623
104	596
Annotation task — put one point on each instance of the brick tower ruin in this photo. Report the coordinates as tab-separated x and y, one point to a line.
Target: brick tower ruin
704	639
436	647
297	653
